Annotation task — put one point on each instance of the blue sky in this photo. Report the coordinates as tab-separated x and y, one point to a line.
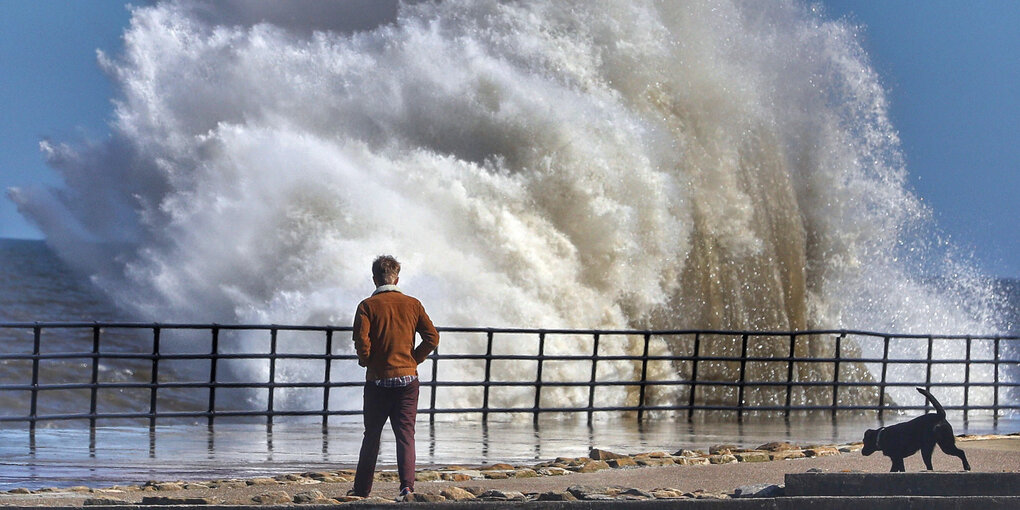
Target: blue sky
952	69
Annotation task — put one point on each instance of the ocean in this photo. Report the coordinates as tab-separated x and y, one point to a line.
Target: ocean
629	164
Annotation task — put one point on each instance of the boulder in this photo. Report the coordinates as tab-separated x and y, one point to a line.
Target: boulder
424	497
777	446
272	498
788	454
456	494
722	459
593	466
821	451
753	456
427	476
722	449
500	495
552	471
309	496
556	496
667	494
597	454
621	462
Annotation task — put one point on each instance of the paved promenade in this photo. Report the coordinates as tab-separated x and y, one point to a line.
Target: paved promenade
635	477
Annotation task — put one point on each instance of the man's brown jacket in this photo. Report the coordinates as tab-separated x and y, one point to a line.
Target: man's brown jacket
384	328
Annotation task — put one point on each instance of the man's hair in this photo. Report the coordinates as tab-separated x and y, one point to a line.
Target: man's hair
386	269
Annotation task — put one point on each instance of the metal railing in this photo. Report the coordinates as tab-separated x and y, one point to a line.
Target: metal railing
150	372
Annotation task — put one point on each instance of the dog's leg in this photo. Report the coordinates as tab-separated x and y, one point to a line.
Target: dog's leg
948	444
897	466
926	450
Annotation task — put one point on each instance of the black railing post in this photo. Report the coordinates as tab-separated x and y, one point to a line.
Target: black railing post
435	386
694	376
94	381
789	374
742	382
995	383
591	382
644	379
270	399
214	355
835	374
326	379
966	382
885	369
155	377
927	377
538	376
488	376
36	353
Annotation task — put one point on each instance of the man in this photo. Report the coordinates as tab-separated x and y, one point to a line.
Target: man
384	328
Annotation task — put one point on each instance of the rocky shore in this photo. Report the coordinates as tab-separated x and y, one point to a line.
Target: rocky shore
575	479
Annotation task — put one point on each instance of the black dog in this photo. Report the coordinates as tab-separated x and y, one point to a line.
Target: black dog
922	433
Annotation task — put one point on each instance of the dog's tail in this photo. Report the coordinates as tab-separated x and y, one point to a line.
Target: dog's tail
938	407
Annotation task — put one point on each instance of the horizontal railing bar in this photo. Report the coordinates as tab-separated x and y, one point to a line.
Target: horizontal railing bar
464	410
342	384
509	357
449	329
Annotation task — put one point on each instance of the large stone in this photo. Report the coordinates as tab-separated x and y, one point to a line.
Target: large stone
496	475
655	461
689	453
821	451
556	496
456	477
273	498
427	476
525	473
777	446
309	496
667	494
552	471
586	492
456	494
722	459
263	481
753	456
424	497
593	466
497	467
621	462
702	494
636	493
597	454
500	495
788	454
